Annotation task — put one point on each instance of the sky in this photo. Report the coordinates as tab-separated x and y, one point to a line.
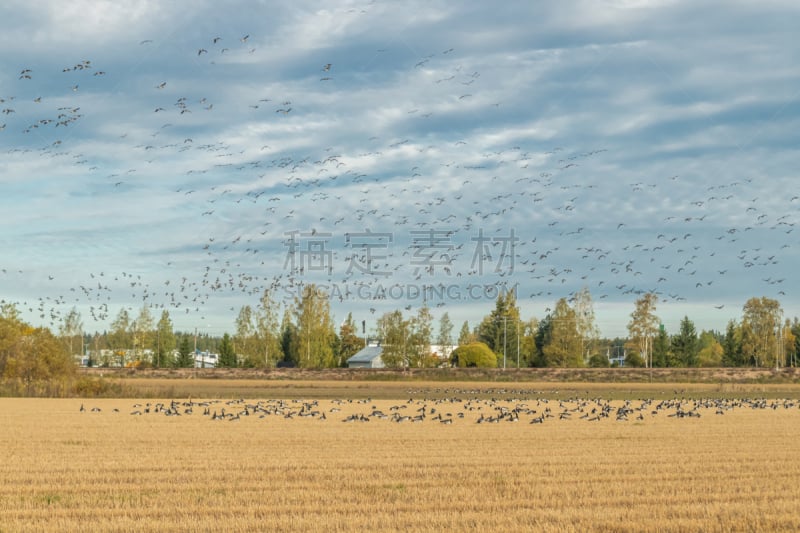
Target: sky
188	155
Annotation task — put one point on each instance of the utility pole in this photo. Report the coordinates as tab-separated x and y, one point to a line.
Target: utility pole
779	336
505	335
405	359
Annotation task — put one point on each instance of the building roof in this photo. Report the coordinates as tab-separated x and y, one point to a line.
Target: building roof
366	355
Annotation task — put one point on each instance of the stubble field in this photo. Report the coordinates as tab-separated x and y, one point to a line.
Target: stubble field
297	465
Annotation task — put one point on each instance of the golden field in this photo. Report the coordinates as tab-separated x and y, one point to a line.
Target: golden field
272	469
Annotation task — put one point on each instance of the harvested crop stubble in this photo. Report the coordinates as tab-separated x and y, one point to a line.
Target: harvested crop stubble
273	469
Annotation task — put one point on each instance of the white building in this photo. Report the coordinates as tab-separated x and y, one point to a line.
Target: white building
368	357
442	351
371	355
205	359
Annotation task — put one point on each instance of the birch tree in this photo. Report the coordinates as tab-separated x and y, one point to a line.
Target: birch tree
586	326
245	331
142	331
268	330
120	336
72	327
315	333
421	331
643	326
761	323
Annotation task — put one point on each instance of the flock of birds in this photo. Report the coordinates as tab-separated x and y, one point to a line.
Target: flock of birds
453	409
266	216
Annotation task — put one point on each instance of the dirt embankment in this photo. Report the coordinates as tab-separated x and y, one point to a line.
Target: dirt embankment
579	375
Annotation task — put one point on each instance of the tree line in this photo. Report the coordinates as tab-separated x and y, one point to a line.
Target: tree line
305	336
568	337
30	355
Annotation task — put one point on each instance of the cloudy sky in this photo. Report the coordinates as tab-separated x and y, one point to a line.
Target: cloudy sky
188	155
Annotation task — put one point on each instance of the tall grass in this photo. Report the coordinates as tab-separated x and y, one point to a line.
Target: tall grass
81	386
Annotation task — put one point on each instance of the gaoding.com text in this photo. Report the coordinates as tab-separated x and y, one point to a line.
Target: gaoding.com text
406	291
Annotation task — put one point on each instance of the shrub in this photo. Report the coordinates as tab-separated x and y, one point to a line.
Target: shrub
87	387
475	354
633	359
598	361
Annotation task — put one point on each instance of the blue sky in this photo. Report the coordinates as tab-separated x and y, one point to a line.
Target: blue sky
164	153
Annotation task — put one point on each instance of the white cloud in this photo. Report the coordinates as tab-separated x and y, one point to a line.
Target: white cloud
617	154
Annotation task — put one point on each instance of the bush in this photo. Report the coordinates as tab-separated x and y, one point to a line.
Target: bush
598	361
475	354
87	387
633	359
